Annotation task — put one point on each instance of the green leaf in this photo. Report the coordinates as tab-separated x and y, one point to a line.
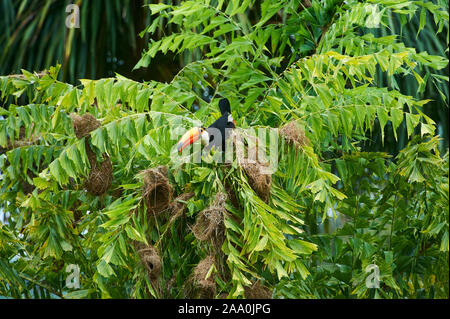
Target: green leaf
302	247
261	244
104	269
156	8
412	120
382	118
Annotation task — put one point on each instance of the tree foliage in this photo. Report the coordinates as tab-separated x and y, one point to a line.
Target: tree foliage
316	63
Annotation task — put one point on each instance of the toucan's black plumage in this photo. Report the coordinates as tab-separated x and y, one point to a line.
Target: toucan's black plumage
223	124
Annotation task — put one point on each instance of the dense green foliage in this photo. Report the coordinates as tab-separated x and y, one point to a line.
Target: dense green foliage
324	64
107	43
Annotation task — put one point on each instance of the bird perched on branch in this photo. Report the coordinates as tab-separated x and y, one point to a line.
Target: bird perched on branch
213	136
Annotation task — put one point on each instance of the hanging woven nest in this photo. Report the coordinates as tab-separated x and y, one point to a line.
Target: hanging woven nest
257	291
198	286
258	179
101	174
83	125
255	166
209	224
157	192
151	260
293	133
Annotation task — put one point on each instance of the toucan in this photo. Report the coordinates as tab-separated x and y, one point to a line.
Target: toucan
213	136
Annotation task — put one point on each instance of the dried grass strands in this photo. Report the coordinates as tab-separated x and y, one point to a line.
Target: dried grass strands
210	222
293	133
83	125
151	260
199	285
157	192
254	167
101	175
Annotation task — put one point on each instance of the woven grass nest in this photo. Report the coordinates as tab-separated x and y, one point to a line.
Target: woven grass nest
260	181
101	174
293	133
83	125
209	224
157	192
254	167
152	261
198	286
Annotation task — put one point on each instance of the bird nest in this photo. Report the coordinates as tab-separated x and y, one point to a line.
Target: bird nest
101	174
294	134
157	192
258	179
255	166
210	222
257	291
198	285
152	261
83	125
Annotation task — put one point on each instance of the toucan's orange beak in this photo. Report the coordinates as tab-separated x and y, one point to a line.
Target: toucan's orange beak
188	138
